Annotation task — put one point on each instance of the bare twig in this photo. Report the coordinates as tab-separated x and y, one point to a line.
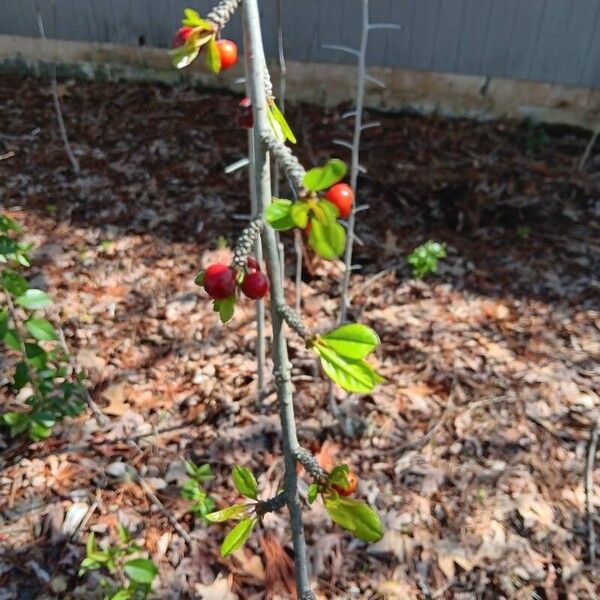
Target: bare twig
56	100
589	491
7	155
588	149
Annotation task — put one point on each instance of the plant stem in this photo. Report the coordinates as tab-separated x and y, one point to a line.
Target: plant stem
359	104
260	305
256	74
56	101
354	167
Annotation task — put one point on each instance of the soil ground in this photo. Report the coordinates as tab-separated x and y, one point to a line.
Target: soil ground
473	451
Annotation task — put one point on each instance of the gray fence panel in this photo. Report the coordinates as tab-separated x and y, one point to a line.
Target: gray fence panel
546	40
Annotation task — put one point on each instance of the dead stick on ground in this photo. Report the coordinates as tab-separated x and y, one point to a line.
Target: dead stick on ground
104	421
589	490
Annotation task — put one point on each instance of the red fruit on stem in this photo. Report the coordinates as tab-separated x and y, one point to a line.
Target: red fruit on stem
245	116
253	264
352	483
342	196
228	53
219	281
255	285
181	37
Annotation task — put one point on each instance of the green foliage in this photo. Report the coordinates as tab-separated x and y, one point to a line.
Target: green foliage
355	516
424	258
193	489
537	137
225	308
203	33
56	392
134	573
279	214
279	125
328	241
352	340
212	56
245	482
343	352
322	178
238	536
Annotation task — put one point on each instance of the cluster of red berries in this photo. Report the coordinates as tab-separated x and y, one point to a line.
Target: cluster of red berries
220	281
228	52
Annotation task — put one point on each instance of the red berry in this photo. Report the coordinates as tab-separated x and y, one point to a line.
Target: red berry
253	264
352	483
255	285
342	196
219	281
181	37
227	53
245	118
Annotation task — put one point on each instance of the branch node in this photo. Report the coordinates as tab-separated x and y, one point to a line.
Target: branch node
285	157
245	243
292	318
311	465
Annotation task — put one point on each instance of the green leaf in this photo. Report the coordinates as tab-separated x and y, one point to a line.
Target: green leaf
231	512
141	570
36	356
353	340
355	516
193	19
184	55
3	323
39	432
226	308
238	536
279	214
191	490
199	279
276	127
213	58
350	374
200	473
123	533
41	329
328	241
90	544
34	299
313	492
14	283
277	115
18	422
21	376
322	178
245	482
12	340
299	212
339	476
122	594
6	224
326	212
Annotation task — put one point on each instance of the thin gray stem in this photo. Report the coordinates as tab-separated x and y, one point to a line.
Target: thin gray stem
354	170
56	100
355	161
260	305
256	60
589	491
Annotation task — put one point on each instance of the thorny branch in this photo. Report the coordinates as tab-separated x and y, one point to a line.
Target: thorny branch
221	13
